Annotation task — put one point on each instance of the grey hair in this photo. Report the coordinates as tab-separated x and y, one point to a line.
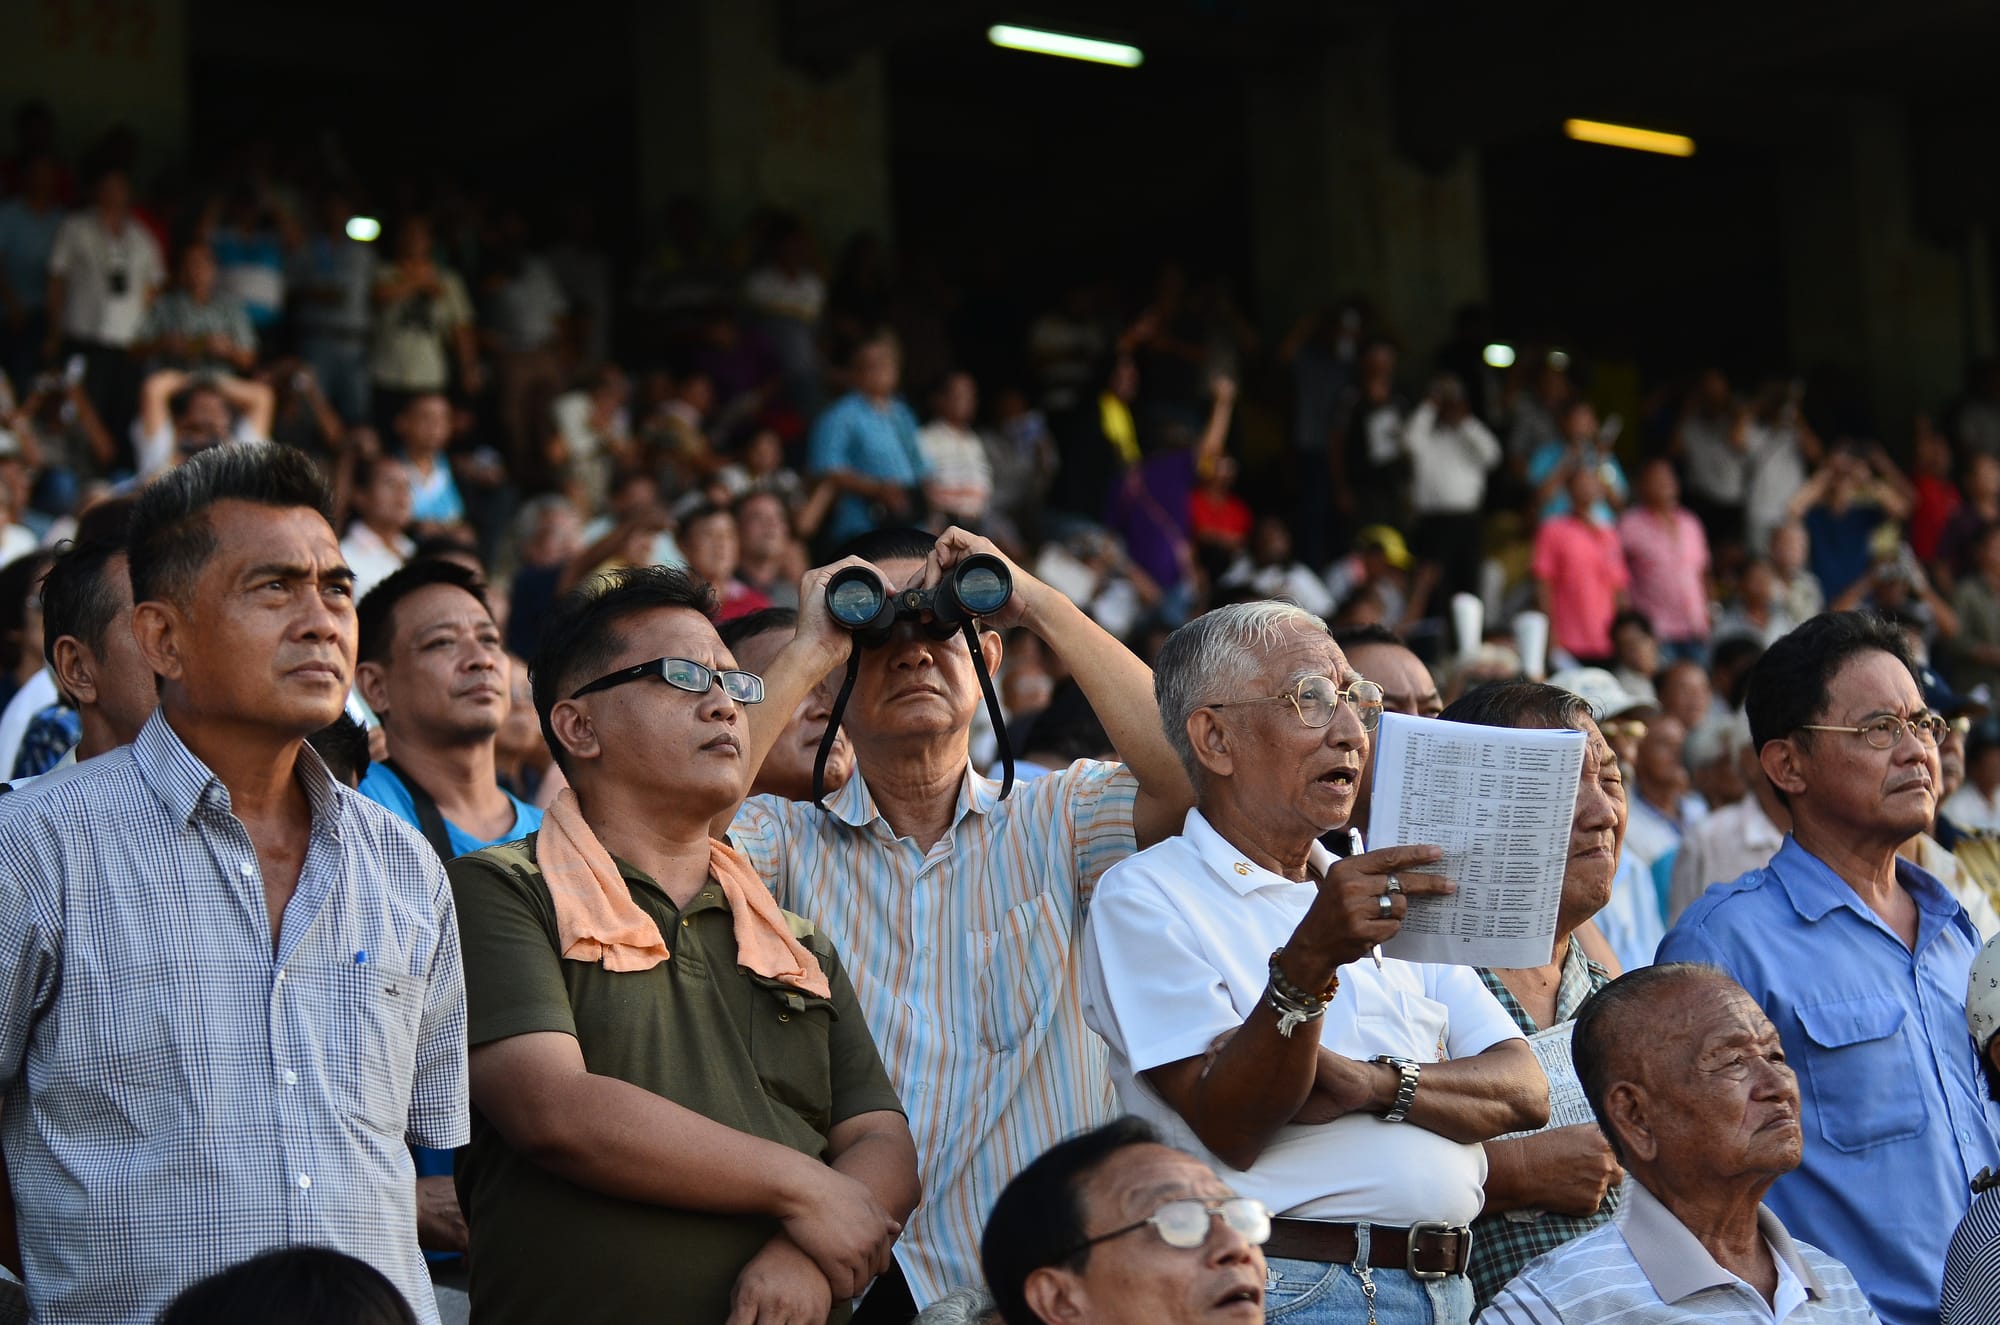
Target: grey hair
1217	654
961	1306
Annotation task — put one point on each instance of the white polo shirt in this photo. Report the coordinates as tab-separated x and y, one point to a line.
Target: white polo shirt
1177	951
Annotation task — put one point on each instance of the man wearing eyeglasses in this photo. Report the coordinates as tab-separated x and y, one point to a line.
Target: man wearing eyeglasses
678	1112
1860	959
1233	972
1114	1228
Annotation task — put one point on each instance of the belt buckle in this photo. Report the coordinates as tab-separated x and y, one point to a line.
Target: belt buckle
1418	1229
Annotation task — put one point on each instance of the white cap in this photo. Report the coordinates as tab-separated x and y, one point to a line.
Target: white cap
1599	689
1982	994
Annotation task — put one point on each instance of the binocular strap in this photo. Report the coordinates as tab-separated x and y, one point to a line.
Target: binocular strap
832	732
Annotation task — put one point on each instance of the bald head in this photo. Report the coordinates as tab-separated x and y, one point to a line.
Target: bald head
1613	1029
1687	1078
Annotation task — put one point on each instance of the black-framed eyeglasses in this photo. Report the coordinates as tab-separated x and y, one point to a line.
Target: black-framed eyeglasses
1184	1223
1884	732
685	674
1316	698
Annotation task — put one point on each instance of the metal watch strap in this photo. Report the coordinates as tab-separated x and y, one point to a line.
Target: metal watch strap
1407	1072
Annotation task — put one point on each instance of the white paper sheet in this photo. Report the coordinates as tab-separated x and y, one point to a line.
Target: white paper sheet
1499	801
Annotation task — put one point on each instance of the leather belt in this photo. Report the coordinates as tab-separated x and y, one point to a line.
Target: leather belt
1427	1250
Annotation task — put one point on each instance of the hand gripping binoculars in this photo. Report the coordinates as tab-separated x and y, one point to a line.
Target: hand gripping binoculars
857	600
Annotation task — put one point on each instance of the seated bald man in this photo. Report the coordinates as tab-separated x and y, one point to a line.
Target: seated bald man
1688	1079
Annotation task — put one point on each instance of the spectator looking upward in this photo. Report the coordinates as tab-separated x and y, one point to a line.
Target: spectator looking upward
961	913
1691	1083
1861	959
301	882
1568	1176
433	670
1228	969
718	1104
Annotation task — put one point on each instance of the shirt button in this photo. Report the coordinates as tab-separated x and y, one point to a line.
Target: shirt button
249	869
784	1016
281	977
291	1077
305	1181
684	924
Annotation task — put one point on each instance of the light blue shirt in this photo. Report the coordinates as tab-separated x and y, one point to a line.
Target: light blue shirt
435	499
1892	1102
856	436
378	784
1543	463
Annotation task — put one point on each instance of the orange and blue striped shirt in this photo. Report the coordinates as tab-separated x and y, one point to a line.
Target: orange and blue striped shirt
965	958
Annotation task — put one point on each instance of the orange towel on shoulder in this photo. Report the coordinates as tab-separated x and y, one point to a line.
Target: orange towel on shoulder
597	920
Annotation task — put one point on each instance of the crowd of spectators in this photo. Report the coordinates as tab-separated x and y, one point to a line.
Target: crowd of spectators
536	447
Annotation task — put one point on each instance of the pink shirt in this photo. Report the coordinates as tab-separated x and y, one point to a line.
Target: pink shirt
1584	570
1668	560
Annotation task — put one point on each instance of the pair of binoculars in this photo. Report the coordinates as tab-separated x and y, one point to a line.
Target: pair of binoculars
978	586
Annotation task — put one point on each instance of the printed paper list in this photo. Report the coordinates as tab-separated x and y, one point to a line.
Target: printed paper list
1499	801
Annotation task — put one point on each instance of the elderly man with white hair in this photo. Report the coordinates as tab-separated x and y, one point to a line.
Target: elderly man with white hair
1233	972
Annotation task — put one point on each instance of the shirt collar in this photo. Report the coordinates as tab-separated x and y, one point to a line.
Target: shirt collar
854	805
1233	867
181	781
1815	890
1675	1262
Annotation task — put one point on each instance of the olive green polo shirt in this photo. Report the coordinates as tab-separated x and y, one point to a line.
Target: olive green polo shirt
699	1030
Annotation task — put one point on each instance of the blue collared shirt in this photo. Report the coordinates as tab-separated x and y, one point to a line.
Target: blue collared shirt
1892	1102
180	1097
861	437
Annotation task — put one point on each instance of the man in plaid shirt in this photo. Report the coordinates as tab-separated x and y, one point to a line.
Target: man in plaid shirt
230	988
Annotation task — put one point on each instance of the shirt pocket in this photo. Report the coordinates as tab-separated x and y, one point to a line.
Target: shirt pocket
790	1047
1861	1070
1402	1023
1019	971
372	1046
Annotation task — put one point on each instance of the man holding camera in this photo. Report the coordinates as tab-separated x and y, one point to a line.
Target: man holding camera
960	912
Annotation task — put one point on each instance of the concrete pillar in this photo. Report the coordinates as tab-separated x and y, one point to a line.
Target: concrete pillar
1865	289
97	65
1338	208
721	115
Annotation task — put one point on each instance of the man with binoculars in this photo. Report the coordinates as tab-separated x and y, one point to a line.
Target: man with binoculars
960	910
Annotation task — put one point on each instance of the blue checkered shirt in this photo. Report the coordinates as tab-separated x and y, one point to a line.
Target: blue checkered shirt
176	1099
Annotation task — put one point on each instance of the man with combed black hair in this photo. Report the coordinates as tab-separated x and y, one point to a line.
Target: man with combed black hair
1689	1081
961	914
1114	1227
87	637
1859	957
667	1070
434	670
227	1051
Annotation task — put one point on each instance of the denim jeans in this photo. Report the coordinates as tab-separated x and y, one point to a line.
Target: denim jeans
1316	1293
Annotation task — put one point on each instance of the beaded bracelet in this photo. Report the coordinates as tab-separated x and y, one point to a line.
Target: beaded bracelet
1293	1005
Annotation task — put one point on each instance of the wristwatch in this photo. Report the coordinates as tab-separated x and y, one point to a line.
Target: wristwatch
1407	1071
